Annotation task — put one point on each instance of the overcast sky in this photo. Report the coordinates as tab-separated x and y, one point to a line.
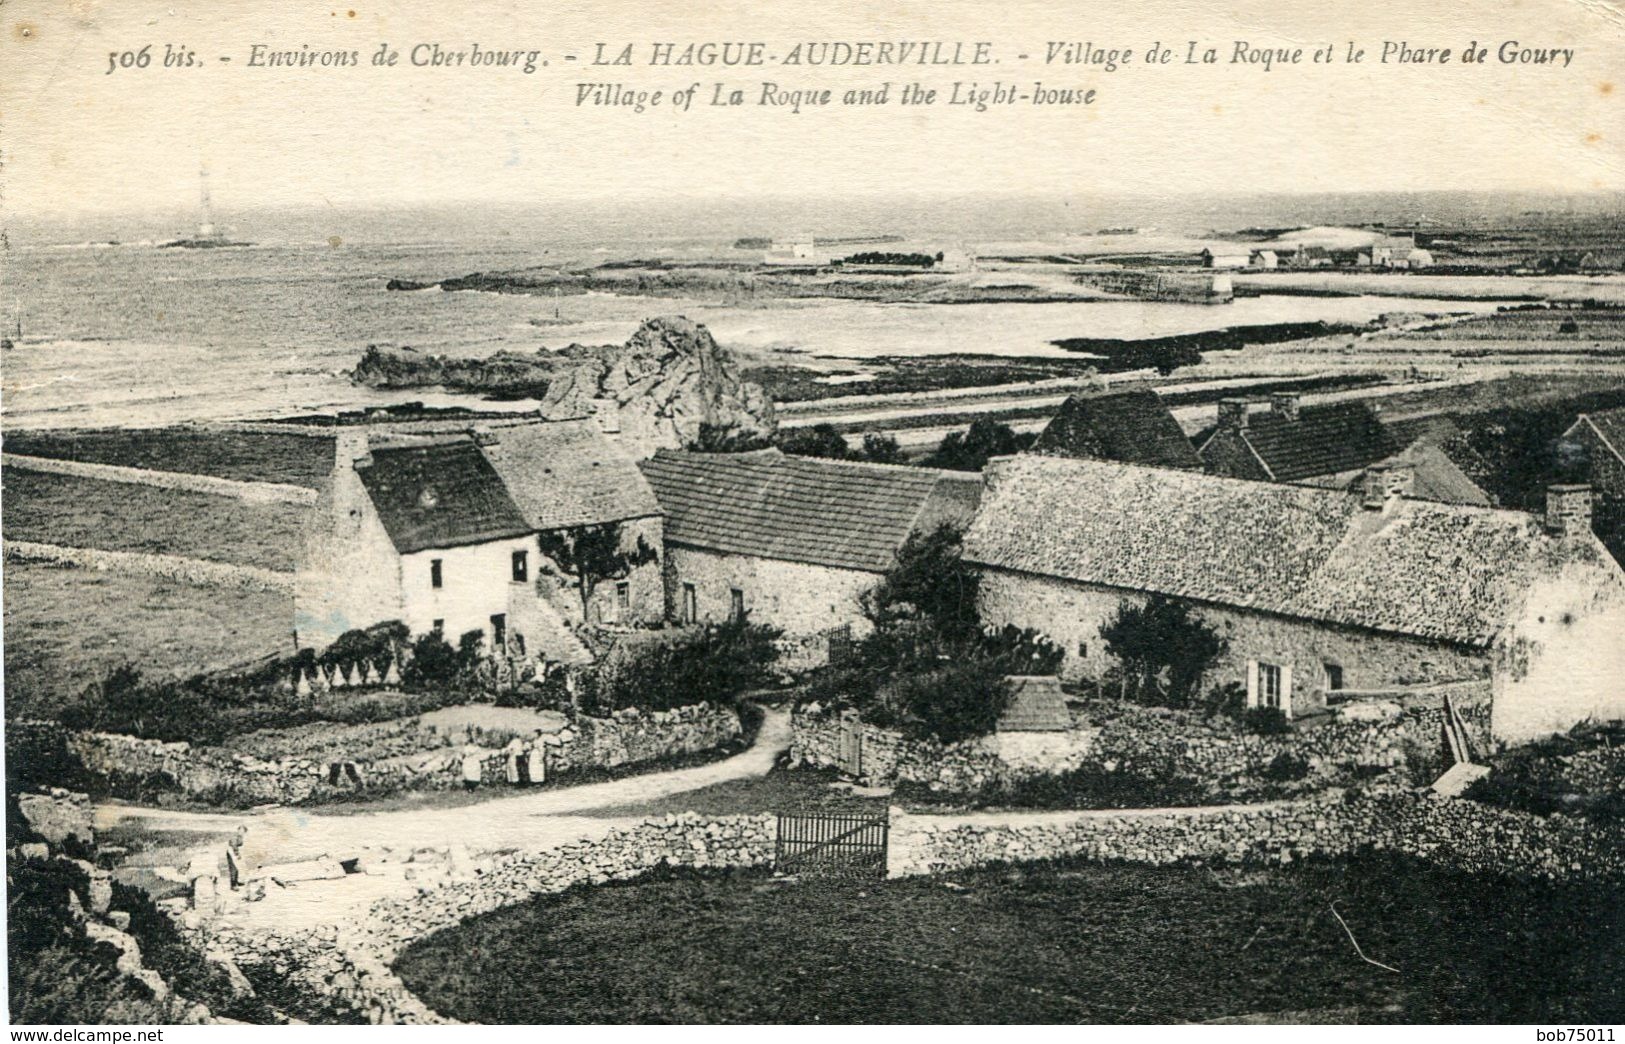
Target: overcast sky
78	139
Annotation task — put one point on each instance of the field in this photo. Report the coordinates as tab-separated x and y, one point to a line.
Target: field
118	516
66	627
245	456
1044	943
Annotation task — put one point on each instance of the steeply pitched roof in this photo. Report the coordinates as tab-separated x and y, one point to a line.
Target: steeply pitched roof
1131	425
1610	424
1036	705
1420	569
443	495
566	473
1323	440
802	509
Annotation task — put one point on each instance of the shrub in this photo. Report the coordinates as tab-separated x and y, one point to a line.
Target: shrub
1163	650
1266	721
820	440
929	581
971	449
713	663
1286	767
434	662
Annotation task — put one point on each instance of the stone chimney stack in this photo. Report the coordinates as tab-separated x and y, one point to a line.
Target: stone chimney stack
1232	414
1285	405
1568	510
1385	483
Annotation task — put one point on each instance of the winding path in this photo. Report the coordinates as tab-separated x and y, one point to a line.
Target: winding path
519	820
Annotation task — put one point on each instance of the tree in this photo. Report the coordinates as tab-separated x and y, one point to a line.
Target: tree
1163	650
592	554
881	449
820	440
970	450
931	581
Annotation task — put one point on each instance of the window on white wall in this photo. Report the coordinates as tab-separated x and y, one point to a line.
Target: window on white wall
623	598
1269	685
437	574
736	604
691	606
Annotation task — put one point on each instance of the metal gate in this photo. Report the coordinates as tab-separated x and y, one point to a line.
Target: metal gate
831	845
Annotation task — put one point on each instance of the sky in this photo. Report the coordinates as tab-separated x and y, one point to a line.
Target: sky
78	138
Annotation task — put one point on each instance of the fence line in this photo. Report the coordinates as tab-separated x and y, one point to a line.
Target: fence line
169	567
252	492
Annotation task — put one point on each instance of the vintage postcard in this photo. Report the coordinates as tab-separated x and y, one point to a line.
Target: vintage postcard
906	512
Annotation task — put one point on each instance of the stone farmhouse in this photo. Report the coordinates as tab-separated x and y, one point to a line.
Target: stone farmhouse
1320	593
1602	435
793	541
1131	425
1331	444
440	530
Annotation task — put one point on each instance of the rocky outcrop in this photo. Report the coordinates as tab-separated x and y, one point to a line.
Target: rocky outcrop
670	385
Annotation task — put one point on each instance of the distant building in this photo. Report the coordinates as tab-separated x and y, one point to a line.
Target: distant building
1264	259
1302	256
795	252
1291	442
1315	591
1597	261
793	541
1400	252
1602	436
1227	257
1131	425
955	259
440	531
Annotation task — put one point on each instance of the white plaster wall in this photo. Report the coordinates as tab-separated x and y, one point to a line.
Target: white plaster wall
1563	661
350	575
477	581
793	596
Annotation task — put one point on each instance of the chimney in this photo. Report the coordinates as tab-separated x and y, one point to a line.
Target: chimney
1232	414
1385	483
1285	405
1568	510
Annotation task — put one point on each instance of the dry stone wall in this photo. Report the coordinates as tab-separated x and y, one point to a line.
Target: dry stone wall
1460	835
168	567
252	492
1363	739
310	764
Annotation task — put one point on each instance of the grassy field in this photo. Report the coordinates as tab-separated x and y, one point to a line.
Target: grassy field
244	456
118	516
65	628
1044	943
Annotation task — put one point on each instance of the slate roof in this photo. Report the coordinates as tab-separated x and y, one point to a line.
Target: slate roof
801	509
1323	440
566	473
1129	424
1036	705
1425	570
1610	424
443	495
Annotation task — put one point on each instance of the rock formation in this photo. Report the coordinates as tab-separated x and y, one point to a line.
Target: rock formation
670	385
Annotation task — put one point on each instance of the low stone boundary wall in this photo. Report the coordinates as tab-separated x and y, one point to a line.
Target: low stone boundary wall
1460	835
350	963
252	492
1362	738
169	567
384	757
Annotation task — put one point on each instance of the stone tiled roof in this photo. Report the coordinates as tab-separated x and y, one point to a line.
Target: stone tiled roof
442	495
1435	571
1131	425
1610	424
800	509
566	473
1036	705
1322	440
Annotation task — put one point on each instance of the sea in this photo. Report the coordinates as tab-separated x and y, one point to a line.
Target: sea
118	331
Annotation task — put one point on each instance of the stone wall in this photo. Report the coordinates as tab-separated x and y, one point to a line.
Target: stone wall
1071	615
350	962
798	599
168	567
1356	740
386	757
252	492
1460	835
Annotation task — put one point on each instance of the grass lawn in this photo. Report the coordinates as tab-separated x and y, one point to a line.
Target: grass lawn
781	790
244	456
118	516
65	628
1045	943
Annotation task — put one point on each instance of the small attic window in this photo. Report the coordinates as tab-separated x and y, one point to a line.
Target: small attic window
428	498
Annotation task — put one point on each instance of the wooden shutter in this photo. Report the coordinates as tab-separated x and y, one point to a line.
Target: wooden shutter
1286	689
1252	683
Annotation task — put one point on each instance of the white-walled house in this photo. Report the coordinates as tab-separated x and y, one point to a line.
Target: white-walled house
1315	590
441	531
